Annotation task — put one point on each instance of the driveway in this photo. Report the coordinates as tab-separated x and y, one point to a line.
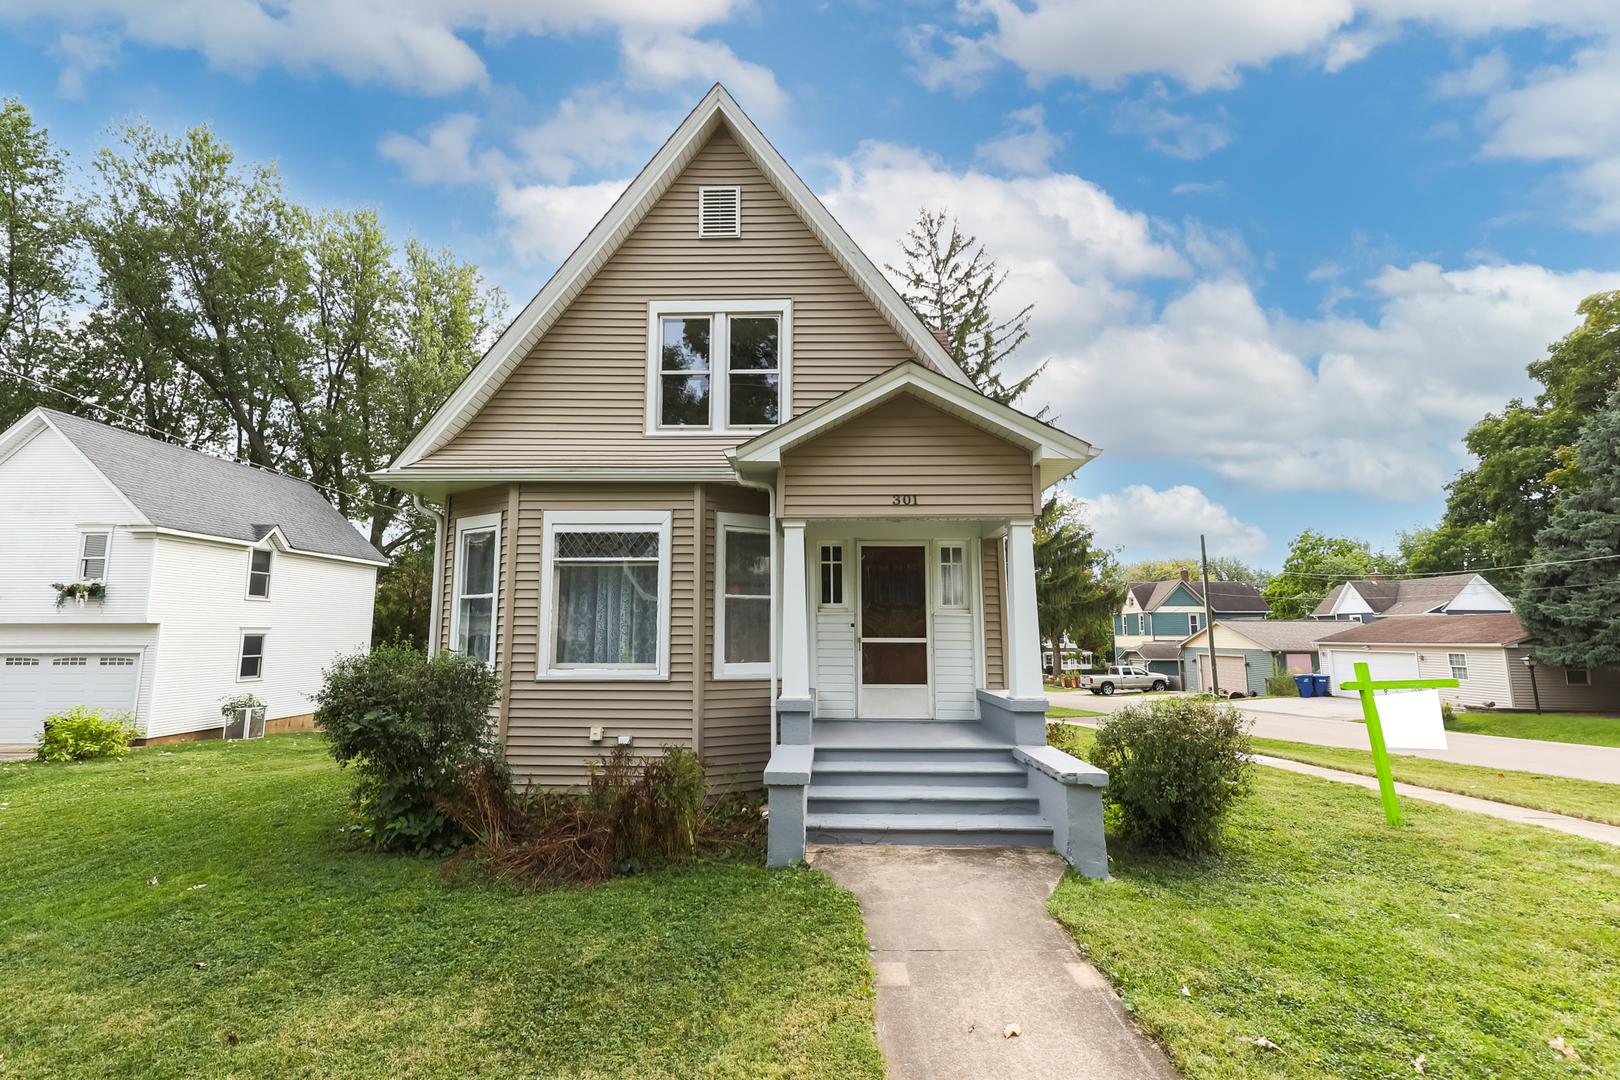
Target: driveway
1334	721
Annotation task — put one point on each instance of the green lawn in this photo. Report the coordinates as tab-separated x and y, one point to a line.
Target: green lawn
1555	727
273	945
1577	798
1058	713
1355	947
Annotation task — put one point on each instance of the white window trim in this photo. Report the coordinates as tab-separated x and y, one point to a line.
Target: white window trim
937	585
264	652
751	523
479	523
1452	659
602	521
719	373
1192	623
106	563
270	584
845	547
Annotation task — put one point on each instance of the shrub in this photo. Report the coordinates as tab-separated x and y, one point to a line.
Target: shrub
78	734
409	726
1281	683
1174	770
1447	714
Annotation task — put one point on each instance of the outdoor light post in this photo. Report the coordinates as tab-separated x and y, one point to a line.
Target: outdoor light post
1530	662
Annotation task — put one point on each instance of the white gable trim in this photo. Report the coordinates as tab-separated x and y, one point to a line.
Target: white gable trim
35	423
1350	603
1478	595
717	109
1056	452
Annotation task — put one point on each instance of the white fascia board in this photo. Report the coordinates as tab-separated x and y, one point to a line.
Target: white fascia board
436	483
1054	446
231	541
552	300
136	517
23	432
1437	646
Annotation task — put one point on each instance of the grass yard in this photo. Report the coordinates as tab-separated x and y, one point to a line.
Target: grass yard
1357	948
273	945
1058	713
1577	798
1554	727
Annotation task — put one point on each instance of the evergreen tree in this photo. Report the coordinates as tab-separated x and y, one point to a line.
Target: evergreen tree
1071	597
1571	609
949	282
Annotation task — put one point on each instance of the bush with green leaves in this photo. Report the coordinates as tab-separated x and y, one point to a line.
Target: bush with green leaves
1174	770
409	726
80	733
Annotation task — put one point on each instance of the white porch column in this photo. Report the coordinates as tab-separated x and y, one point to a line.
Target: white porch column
1023	621
795	651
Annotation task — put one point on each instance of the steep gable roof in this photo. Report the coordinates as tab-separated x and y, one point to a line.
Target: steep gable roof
1224	596
183	490
1410	596
717	109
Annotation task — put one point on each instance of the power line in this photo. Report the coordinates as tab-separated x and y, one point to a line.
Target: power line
177	441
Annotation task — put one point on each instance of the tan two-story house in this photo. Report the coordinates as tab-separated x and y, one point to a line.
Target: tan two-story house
718	486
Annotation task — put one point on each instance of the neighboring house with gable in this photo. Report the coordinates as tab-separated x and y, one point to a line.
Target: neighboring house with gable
220	580
718	486
1158	616
1373	599
1250	651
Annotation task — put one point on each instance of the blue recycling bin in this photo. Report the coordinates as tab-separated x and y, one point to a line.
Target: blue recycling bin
1306	684
1324	685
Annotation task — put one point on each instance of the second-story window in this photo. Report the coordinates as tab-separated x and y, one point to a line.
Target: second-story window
259	575
1192	624
93	556
718	367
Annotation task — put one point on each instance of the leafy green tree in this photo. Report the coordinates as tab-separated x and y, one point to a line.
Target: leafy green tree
1570	600
1223	568
40	275
404	598
949	281
1495	511
1071	597
1315	564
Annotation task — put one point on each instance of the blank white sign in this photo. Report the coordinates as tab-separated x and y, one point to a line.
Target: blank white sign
1411	720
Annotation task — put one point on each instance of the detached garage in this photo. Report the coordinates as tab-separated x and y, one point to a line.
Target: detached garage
35	685
1382	665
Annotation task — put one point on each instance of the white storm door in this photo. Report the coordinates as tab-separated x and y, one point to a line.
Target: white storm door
894	657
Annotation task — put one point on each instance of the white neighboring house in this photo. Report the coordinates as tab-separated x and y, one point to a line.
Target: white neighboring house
221	579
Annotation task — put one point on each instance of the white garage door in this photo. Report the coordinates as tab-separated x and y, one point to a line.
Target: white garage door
1383	666
35	685
1232	672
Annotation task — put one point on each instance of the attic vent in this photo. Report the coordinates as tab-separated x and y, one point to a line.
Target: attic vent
719	211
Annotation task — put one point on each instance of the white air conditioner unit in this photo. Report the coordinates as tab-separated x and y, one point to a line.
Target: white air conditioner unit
719	212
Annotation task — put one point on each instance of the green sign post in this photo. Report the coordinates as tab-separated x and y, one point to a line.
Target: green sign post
1375	729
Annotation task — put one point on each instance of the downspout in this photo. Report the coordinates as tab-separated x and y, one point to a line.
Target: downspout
776	586
438	570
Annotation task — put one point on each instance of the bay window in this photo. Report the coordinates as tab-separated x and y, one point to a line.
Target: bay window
605	594
472	616
742	609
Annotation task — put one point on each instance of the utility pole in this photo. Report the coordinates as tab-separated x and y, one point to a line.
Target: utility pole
1209	619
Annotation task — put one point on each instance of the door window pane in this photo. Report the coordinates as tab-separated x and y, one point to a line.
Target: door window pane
475	617
951	577
747	611
894	663
606	599
893	593
684	378
755	371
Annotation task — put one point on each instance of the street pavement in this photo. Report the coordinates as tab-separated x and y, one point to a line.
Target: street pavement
1334	721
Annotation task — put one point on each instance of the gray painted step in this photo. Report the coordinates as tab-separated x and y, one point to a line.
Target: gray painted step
930	800
913	753
899	773
930	829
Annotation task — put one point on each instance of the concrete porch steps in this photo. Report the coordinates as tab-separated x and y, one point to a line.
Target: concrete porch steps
919	782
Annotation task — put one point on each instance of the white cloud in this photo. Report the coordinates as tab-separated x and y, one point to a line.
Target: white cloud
444	158
1025	146
547	221
1169	133
1157	524
1264	401
593	129
413	44
667	60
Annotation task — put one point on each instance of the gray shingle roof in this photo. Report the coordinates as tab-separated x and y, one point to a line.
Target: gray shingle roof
1224	596
1417	596
1501	629
181	489
1278	635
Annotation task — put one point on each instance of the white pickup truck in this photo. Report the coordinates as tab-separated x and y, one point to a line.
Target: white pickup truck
1123	678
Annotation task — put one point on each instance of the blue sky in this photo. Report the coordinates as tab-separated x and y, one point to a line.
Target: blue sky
1282	254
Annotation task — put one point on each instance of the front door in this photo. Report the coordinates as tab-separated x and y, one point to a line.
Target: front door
894	662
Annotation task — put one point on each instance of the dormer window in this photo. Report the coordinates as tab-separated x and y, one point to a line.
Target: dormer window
93	556
259	575
719	366
719	212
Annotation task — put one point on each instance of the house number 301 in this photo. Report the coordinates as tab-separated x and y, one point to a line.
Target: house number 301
905	500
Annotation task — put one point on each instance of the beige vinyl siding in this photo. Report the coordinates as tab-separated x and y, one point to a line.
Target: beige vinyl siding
466	504
907	447
1600	695
579	398
736	713
995	670
1487	673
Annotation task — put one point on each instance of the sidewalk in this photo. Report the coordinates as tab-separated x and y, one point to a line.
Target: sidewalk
963	947
1333	721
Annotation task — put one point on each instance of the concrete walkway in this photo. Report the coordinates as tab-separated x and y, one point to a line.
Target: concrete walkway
1334	721
963	947
1591	830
